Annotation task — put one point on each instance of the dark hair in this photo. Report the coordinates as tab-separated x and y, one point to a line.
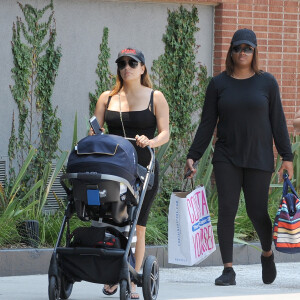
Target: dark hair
230	65
145	80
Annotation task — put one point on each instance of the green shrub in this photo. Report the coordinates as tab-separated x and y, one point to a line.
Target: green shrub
36	61
183	82
105	78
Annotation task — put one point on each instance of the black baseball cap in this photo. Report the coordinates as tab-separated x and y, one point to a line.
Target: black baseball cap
244	36
133	53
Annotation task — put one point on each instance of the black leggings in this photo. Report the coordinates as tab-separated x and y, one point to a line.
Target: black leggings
255	183
149	198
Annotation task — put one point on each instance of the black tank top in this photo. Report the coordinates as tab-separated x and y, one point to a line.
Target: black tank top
142	122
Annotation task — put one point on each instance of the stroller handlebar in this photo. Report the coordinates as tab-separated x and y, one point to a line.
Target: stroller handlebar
149	149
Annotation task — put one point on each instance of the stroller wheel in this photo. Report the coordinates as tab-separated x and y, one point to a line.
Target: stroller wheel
150	278
65	288
53	290
124	292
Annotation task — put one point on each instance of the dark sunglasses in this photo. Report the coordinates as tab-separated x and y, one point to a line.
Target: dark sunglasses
123	63
239	49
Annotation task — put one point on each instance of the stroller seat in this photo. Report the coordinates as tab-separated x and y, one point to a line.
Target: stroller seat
103	174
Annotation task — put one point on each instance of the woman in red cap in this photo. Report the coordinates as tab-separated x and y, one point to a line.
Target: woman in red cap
133	109
244	102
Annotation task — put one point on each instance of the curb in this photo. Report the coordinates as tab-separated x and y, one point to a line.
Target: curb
36	261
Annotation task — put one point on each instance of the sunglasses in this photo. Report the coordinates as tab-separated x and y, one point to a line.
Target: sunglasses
123	63
239	49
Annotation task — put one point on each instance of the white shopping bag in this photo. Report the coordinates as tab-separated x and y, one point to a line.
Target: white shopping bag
190	233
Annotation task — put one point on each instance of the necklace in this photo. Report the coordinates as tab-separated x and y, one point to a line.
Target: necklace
121	116
243	77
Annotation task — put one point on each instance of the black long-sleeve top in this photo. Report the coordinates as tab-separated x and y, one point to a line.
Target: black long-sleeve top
248	114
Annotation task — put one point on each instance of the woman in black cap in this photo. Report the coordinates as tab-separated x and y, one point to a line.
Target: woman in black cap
244	102
133	109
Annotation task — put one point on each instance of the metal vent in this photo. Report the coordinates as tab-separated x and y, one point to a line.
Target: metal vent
51	206
3	168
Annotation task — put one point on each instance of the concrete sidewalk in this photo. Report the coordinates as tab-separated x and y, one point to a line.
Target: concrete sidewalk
178	284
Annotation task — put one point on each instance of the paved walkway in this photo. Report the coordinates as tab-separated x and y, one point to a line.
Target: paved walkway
183	283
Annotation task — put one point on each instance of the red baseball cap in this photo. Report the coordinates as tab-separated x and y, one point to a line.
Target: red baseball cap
133	53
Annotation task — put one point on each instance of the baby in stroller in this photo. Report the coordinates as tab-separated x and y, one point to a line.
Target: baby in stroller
103	181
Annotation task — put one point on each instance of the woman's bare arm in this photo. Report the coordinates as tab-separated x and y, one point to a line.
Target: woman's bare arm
100	110
161	109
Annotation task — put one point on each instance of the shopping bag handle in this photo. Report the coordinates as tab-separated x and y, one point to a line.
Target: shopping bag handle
286	184
189	172
184	184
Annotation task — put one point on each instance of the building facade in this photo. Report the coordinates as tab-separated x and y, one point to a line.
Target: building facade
141	23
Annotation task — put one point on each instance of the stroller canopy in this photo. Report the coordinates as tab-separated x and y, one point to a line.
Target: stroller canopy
106	154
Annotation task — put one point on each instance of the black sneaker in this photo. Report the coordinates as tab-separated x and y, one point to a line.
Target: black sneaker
227	277
268	269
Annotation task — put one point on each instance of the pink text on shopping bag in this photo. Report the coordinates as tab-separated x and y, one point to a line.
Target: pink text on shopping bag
197	206
202	232
203	240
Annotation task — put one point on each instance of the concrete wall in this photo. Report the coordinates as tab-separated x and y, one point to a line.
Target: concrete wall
79	26
17	262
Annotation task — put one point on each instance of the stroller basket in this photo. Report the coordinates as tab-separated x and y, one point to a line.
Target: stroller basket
91	264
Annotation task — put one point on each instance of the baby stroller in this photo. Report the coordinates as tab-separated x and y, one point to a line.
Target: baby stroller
103	182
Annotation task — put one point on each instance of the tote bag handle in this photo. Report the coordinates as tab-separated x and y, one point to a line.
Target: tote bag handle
286	184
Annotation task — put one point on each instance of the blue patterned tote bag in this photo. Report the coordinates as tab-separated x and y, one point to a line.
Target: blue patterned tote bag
286	233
